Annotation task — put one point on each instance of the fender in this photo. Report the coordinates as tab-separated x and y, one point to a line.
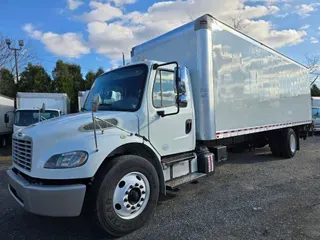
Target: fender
144	151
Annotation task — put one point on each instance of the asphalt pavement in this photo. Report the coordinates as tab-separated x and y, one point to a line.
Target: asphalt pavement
251	196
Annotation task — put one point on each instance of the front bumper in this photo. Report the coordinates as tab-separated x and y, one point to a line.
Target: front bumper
47	200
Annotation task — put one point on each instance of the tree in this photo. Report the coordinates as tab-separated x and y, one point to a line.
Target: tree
239	22
34	79
24	56
99	72
7	85
315	91
91	76
313	63
68	79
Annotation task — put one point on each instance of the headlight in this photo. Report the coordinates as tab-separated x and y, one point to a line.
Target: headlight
67	160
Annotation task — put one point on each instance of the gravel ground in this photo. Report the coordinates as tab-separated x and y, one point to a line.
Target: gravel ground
252	196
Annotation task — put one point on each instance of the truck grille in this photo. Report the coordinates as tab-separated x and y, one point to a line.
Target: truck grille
22	153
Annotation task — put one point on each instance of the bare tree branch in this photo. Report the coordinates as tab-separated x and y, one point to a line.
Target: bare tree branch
313	63
191	15
27	54
239	22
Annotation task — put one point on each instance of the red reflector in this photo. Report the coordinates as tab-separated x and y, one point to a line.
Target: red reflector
203	22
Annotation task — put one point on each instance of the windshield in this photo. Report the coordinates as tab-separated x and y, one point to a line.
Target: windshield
28	117
119	90
316	112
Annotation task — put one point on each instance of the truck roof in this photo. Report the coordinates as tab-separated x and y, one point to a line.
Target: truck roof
180	30
28	109
43	95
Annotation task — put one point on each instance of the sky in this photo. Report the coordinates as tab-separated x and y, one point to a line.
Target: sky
95	33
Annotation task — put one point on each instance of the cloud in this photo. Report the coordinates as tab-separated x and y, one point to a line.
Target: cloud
101	12
252	12
304	10
314	40
70	45
119	3
304	27
113	34
262	31
74	4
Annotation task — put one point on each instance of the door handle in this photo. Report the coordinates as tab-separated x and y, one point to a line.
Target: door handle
188	126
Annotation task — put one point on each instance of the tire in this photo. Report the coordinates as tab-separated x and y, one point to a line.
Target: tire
275	144
290	143
111	195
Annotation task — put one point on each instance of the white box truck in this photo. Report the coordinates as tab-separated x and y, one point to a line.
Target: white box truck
30	103
316	113
6	127
82	96
160	122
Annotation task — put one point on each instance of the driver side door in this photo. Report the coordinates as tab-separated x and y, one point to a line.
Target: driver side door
169	134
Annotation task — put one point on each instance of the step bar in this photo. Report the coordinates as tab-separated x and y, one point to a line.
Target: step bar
175	183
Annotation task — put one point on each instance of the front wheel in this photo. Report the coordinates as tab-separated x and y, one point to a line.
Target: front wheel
125	195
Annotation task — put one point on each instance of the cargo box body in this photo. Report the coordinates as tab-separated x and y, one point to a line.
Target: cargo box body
34	100
240	86
6	106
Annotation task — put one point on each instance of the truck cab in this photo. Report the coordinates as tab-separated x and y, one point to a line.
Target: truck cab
316	118
26	117
136	112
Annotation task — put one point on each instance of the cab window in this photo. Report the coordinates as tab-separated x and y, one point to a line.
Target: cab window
164	90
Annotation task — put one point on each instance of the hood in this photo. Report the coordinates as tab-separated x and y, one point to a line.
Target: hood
69	125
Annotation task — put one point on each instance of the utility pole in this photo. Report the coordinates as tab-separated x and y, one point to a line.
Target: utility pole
123	61
8	42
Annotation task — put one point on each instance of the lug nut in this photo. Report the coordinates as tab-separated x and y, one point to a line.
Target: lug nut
141	186
137	184
125	200
128	206
127	192
131	186
142	199
133	208
138	205
143	192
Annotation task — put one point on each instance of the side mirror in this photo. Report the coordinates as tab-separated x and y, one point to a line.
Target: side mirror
95	102
183	82
183	101
6	118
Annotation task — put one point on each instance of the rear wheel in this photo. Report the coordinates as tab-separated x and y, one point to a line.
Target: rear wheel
275	145
283	143
290	143
125	195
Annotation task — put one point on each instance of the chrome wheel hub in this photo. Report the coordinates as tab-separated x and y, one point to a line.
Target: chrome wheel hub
131	195
292	143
